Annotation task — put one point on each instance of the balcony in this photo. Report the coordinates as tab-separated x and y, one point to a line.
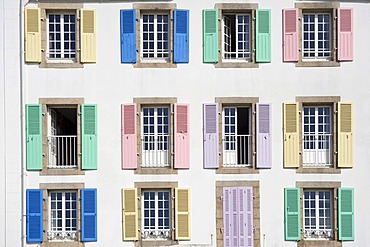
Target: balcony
155	151
317	149
62	151
237	150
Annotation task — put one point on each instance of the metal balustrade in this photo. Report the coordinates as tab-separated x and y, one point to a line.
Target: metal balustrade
317	149
62	151
237	150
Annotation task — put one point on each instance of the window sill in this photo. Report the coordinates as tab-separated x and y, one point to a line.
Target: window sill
60	65
154	65
61	172
236	65
155	170
62	244
150	243
236	170
319	243
318	170
317	64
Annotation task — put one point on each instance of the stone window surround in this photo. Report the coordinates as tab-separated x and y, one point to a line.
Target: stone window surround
219	208
319	100
237	101
60	186
156	185
47	102
320	185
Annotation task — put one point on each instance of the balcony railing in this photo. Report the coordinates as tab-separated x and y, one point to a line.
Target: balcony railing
62	235
318	234
156	234
62	151
237	150
317	149
155	150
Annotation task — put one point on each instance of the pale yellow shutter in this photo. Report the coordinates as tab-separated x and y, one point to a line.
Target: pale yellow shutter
129	214
88	36
291	135
345	134
182	213
32	35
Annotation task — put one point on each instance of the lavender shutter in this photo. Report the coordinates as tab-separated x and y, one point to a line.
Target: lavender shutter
247	216
264	143
210	135
226	217
234	216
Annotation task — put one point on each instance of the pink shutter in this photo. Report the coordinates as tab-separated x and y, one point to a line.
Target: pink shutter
227	217
290	35
182	136
210	135
264	143
345	34
129	136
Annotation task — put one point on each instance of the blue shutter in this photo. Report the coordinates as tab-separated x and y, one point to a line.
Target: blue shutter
88	215
34	214
181	36
128	36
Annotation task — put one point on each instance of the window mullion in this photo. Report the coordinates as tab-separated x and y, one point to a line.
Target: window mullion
155	30
316	35
156	211
62	36
317	210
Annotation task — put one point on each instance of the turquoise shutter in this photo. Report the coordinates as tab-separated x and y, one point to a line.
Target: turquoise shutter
34	215
89	137
34	136
263	35
292	217
210	36
181	36
88	215
346	214
128	35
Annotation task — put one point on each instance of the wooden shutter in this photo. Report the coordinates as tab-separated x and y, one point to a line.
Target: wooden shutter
290	35
346	214
89	215
263	35
210	36
128	35
182	142
345	34
34	215
181	36
32	32
89	137
88	36
291	135
264	143
129	136
227	216
246	217
210	136
292	214
345	135
182	214
129	215
34	136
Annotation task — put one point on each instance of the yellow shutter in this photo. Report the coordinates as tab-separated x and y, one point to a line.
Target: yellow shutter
182	213
32	35
129	215
345	134
291	135
88	36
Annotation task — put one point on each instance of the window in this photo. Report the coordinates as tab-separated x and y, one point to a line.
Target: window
159	42
240	130
242	41
318	34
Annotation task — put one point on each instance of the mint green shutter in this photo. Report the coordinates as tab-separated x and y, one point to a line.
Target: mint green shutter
210	36
263	35
292	219
89	137
346	214
34	136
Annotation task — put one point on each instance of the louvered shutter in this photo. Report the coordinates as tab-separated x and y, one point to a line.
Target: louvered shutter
346	214
182	142
292	214
128	35
182	214
34	136
210	36
129	215
210	136
345	34
88	36
345	135
34	215
129	136
234	206
290	35
227	216
32	29
181	36
89	137
246	217
263	35
264	143
89	215
291	135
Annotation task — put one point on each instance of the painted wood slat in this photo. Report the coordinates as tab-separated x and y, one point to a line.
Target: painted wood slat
129	215
210	36
181	36
89	137
290	35
345	34
291	135
292	214
263	35
34	216
210	136
89	217
346	214
32	26
182	142
128	136
227	219
345	135
34	136
182	212
88	36
128	35
264	142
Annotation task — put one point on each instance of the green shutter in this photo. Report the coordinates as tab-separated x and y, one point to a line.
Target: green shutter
89	137
292	214
34	136
210	36
263	35
346	214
